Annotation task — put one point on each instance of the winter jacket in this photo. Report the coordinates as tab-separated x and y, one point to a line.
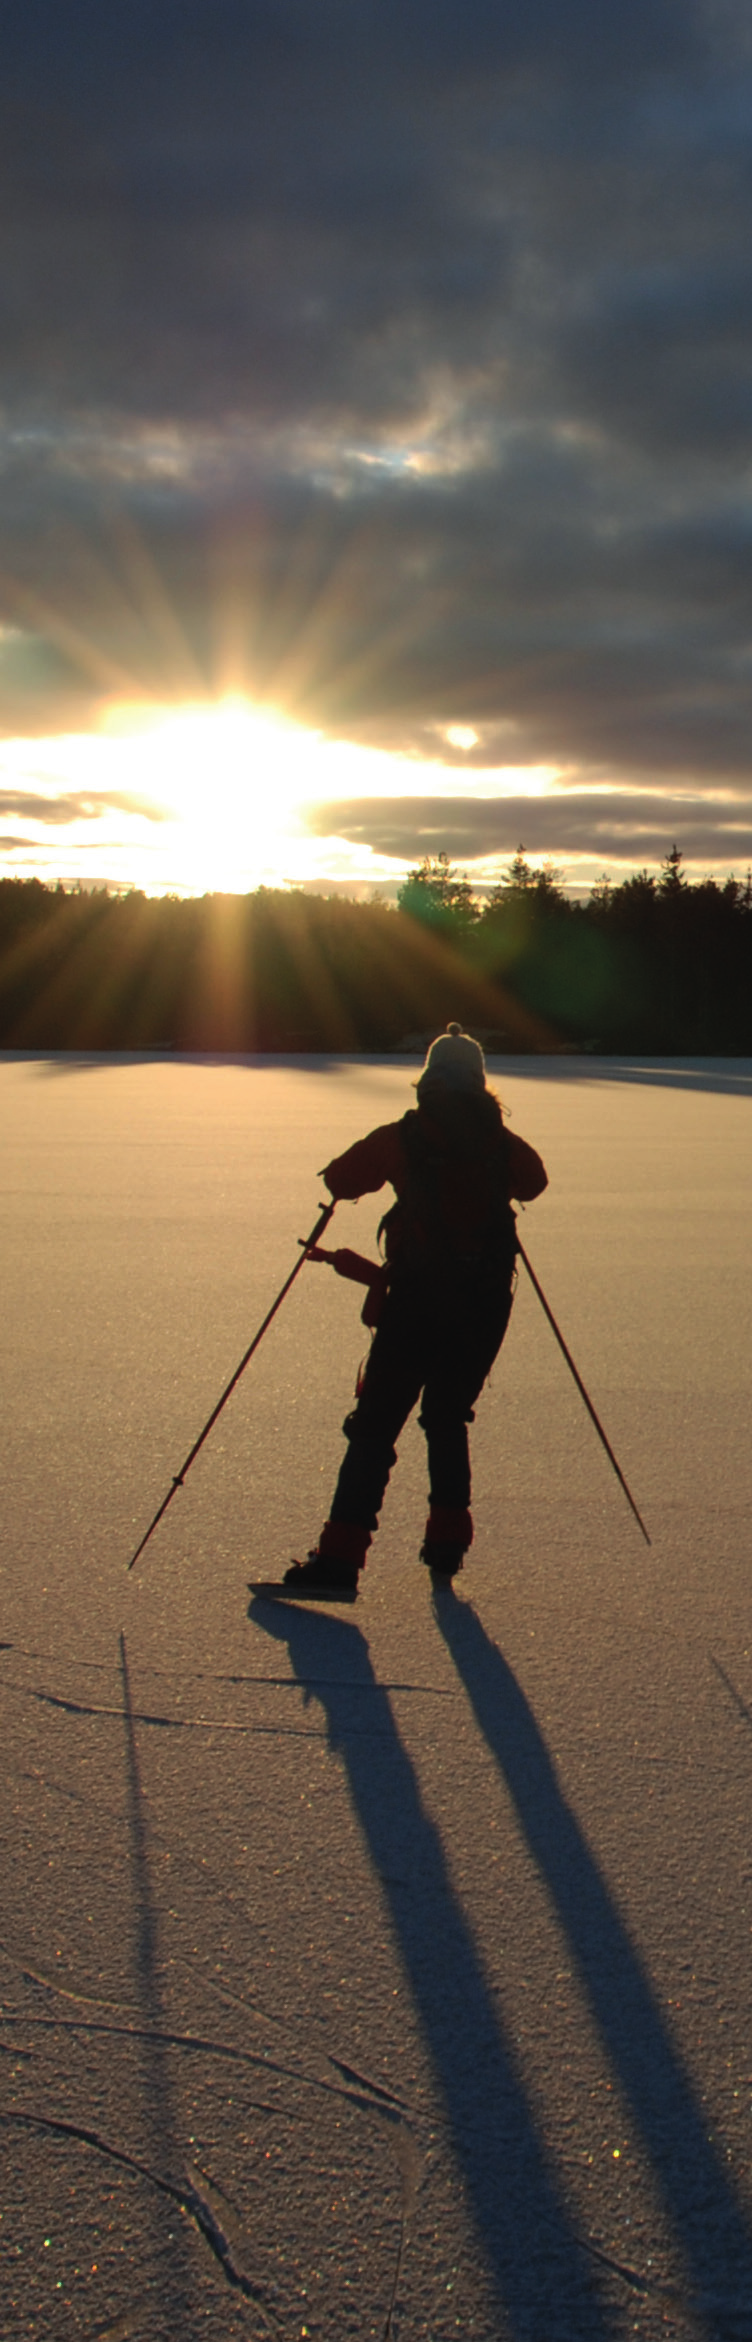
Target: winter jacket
382	1156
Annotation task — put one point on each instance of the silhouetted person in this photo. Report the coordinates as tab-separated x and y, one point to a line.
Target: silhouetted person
444	1299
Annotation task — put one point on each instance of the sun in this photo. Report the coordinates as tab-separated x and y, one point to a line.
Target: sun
232	781
236	781
231	777
216	797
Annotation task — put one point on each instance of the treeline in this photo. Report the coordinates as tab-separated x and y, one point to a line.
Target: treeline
652	964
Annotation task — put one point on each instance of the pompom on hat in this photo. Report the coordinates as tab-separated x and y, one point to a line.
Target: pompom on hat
455	1060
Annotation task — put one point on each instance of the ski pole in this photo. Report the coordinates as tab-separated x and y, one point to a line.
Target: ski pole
581	1388
306	1244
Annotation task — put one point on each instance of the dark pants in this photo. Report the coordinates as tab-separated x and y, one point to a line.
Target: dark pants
439	1336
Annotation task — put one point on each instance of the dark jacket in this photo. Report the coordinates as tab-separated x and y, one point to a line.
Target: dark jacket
382	1156
454	1167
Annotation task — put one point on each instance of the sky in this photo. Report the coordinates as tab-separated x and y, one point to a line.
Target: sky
375	438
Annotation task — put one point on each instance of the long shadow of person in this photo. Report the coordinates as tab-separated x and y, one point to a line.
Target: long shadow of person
527	2235
702	2204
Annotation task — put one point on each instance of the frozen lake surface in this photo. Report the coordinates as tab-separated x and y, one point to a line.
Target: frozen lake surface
378	1972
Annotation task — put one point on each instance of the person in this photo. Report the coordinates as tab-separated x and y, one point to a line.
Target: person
443	1299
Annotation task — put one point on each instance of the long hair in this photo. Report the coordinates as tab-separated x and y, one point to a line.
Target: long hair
454	1205
468	1122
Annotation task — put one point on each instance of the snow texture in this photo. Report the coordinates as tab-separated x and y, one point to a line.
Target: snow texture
381	1972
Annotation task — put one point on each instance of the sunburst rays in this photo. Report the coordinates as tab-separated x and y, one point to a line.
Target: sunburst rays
273	970
225	697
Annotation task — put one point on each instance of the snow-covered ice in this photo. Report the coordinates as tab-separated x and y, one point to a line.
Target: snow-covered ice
381	1972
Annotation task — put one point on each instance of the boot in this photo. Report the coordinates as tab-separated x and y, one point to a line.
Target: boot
449	1534
332	1569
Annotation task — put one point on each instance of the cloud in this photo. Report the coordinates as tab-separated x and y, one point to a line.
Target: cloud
281	211
506	602
618	827
393	364
78	805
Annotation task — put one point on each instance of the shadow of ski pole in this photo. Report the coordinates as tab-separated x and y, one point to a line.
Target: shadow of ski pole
156	2084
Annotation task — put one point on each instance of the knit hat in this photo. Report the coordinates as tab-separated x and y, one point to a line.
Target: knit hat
457	1061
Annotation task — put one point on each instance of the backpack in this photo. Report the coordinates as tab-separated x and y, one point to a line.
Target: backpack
453	1211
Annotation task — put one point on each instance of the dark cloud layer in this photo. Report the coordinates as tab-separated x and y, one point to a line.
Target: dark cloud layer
77	805
394	362
631	826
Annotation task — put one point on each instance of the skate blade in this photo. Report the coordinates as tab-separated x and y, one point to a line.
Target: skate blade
275	1590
